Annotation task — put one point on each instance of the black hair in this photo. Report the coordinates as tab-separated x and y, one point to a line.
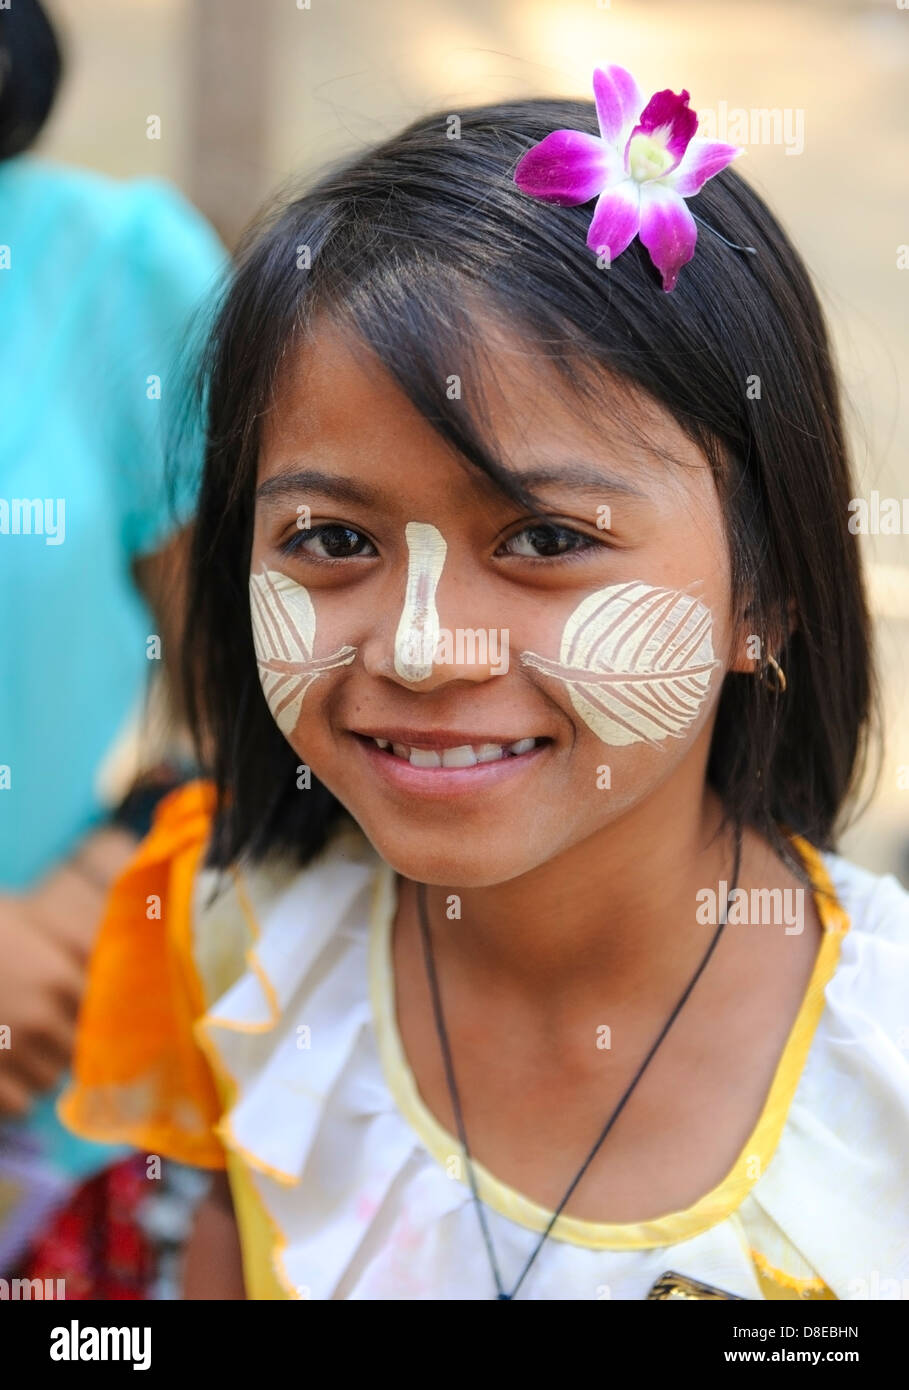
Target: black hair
30	72
398	243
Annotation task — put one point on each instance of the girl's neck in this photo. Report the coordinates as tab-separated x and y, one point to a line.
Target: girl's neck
620	905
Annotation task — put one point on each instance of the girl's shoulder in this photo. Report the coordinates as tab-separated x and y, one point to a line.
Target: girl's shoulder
868	990
179	945
834	1189
260	928
876	904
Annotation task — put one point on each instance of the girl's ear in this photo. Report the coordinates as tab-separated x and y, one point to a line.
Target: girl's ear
752	647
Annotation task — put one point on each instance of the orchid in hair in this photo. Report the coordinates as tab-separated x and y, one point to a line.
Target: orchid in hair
646	161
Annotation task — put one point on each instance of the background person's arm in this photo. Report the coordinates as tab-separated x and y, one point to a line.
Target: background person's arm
213	1266
47	932
46	936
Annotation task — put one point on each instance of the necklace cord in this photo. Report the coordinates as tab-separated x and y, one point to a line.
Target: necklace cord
452	1087
626	1095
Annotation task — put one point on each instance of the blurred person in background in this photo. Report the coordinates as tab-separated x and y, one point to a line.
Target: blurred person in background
99	284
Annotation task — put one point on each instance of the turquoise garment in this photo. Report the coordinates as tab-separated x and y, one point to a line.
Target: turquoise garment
99	282
96	291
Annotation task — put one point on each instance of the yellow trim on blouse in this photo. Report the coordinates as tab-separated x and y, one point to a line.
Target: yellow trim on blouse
776	1284
716	1205
262	1242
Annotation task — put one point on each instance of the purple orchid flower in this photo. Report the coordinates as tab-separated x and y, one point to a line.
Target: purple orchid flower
645	163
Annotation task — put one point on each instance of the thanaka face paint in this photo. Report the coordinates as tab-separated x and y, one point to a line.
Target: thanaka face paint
418	631
284	632
636	661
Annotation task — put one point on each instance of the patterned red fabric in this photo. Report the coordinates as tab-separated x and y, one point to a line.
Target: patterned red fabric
95	1243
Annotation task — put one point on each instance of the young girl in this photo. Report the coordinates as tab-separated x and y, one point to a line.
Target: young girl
506	953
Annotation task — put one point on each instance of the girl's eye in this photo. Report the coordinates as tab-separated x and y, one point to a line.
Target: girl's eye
330	541
541	541
546	540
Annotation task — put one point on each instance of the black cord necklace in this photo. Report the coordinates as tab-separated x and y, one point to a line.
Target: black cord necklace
456	1102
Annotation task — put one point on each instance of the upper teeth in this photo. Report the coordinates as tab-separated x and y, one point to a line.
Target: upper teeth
463	756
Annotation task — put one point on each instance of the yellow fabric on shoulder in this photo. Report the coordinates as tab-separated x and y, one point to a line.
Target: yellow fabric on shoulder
258	1237
139	1076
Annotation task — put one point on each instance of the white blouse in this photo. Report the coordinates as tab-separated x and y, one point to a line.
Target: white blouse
361	1194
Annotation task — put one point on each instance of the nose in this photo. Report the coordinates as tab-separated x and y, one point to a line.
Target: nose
424	654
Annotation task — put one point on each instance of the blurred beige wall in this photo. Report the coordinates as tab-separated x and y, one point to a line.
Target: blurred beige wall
250	92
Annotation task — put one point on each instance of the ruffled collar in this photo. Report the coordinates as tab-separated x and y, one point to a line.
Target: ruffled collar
307	1037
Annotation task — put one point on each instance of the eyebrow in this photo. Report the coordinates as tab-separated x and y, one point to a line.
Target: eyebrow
580	477
312	480
576	476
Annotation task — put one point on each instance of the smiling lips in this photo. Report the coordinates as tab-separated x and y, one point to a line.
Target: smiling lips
441	749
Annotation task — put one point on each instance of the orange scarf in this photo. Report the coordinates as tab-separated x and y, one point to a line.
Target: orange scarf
138	1074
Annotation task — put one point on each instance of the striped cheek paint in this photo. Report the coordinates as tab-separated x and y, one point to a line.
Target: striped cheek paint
418	628
636	661
284	631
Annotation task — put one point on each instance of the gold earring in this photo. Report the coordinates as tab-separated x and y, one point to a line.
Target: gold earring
779	676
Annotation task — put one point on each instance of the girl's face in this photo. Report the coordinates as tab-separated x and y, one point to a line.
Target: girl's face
398	596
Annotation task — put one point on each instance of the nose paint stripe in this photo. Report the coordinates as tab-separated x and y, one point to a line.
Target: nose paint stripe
418	631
